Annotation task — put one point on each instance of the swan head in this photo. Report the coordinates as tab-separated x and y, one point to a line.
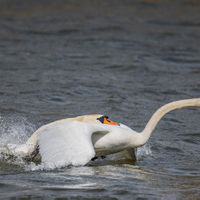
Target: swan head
104	119
99	119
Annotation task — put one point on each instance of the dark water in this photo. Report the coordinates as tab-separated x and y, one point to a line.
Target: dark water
62	59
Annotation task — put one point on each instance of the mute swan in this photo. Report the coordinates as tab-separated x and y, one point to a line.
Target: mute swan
75	141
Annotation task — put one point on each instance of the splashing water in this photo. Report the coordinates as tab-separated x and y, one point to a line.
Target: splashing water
144	151
13	132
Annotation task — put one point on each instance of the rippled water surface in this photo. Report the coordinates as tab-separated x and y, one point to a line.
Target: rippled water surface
125	59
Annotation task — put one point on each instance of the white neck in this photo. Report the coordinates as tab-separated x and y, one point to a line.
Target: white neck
146	133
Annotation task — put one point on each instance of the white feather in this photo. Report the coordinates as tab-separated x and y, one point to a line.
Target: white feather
67	143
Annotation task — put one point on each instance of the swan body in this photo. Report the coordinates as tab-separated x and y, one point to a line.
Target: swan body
75	141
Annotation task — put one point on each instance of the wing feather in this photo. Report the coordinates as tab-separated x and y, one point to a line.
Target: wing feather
67	143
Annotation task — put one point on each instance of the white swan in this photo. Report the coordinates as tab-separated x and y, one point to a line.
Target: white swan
75	141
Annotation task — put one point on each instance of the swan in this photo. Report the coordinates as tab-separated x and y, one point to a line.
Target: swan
75	141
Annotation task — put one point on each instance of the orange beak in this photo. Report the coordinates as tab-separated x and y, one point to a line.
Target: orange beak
108	121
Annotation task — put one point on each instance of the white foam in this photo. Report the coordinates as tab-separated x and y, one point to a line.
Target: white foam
13	132
144	151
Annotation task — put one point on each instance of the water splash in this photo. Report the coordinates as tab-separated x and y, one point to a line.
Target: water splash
13	132
144	151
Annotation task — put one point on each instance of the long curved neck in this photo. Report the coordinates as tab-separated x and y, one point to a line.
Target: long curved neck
146	133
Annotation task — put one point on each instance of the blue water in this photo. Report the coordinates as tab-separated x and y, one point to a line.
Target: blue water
125	59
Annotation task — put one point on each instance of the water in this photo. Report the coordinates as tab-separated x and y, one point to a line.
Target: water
125	59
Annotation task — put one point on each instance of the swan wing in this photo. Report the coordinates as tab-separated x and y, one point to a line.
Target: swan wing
67	143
